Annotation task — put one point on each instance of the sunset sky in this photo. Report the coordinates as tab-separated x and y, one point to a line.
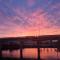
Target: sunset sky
29	17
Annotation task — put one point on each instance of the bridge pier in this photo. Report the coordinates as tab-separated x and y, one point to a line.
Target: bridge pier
38	53
0	53
21	50
21	54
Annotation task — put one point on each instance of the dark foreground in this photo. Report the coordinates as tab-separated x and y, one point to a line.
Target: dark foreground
26	59
18	59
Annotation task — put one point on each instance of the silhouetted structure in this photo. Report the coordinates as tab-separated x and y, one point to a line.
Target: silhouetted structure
47	41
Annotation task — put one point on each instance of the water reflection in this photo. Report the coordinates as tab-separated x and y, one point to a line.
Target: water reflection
45	53
48	53
14	53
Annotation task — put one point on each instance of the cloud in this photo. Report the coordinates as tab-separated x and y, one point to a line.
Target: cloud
53	13
21	22
31	3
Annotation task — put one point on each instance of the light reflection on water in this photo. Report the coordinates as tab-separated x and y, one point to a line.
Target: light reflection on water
45	53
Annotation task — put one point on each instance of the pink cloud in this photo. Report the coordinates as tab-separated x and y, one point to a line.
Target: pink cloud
36	24
31	2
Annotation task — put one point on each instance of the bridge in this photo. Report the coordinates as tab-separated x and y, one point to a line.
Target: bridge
14	43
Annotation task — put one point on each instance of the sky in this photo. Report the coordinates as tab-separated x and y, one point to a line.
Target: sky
29	17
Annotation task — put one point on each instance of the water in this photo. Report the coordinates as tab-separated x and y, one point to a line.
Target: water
49	54
45	53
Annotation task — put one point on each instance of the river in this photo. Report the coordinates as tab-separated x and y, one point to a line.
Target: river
45	53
